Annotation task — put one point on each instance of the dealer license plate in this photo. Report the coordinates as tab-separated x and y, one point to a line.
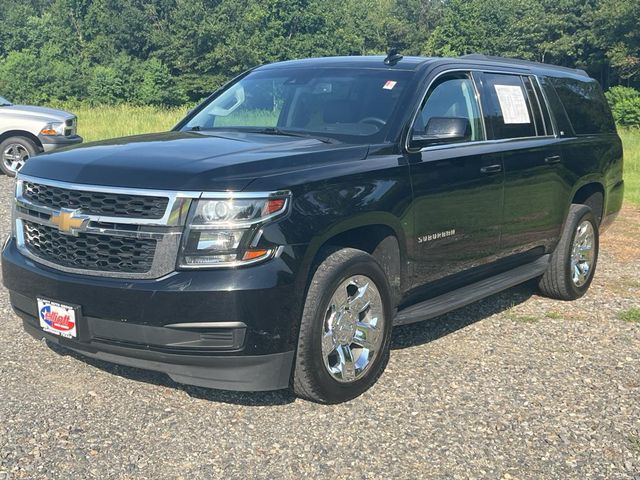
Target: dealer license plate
57	318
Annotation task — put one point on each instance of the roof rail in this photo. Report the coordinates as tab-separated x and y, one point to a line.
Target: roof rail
517	61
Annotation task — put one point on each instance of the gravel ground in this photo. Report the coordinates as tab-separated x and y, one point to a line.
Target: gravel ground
515	386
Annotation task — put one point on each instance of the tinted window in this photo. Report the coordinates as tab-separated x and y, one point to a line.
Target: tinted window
452	96
535	106
562	120
506	106
543	105
585	105
347	104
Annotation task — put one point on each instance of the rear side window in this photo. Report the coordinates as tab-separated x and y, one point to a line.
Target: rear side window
535	106
561	118
543	105
507	107
585	105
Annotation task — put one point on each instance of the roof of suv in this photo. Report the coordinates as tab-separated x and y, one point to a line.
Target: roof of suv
414	63
369	61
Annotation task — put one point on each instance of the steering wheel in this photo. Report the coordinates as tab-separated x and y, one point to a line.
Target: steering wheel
374	120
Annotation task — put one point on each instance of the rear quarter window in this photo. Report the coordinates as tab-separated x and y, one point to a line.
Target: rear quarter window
585	105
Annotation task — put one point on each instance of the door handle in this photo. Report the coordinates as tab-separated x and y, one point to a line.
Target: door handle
552	159
491	169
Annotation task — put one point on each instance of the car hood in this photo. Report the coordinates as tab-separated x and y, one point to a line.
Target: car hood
192	161
48	114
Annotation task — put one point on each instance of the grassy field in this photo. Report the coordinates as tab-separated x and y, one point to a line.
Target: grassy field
631	141
123	120
120	121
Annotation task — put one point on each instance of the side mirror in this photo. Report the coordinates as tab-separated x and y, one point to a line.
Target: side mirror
441	130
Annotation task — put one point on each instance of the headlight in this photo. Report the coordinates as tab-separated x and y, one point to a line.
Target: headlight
221	232
53	128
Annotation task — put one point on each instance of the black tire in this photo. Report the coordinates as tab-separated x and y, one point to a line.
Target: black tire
311	379
25	142
557	282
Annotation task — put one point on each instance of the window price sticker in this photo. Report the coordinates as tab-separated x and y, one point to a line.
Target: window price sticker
512	104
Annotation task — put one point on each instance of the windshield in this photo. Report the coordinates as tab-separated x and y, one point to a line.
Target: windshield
344	104
4	102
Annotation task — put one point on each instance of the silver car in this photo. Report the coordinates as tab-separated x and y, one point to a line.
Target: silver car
26	131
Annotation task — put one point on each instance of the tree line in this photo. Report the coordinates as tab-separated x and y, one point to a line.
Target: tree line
170	52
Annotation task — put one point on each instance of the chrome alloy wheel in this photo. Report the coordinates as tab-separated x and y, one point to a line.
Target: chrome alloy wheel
353	329
582	253
14	156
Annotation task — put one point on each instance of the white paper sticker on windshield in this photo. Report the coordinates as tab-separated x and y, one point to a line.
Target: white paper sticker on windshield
512	104
389	85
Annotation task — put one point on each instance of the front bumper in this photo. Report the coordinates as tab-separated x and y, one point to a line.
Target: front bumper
51	143
229	329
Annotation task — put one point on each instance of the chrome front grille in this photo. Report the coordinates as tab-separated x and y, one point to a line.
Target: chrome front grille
100	253
96	203
71	127
100	231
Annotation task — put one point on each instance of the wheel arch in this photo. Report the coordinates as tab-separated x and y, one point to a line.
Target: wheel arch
591	192
21	133
381	238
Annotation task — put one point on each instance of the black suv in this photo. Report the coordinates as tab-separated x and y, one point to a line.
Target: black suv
279	231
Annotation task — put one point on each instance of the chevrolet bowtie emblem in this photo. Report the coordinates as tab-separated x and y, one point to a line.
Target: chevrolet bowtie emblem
69	221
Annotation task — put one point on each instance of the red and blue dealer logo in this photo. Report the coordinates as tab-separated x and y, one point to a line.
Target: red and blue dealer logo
55	320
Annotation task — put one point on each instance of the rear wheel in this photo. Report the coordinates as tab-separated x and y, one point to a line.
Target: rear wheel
574	260
15	152
343	346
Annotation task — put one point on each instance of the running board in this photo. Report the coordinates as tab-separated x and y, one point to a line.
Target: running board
471	293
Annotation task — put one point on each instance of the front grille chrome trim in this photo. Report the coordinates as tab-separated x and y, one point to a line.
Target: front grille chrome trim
166	231
164	260
89	251
175	214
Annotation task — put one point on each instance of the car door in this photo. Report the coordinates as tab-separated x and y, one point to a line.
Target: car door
457	183
534	192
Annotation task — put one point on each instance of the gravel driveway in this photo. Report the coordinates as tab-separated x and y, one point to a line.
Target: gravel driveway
515	386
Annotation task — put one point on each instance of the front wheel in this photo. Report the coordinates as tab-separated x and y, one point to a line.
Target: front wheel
573	262
343	345
15	152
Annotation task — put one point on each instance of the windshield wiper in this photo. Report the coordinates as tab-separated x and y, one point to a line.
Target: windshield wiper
291	133
267	131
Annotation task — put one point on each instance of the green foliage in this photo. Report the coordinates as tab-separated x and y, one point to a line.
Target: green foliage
619	94
164	52
22	77
617	34
103	122
625	105
627	113
558	31
157	86
106	86
632	315
631	143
